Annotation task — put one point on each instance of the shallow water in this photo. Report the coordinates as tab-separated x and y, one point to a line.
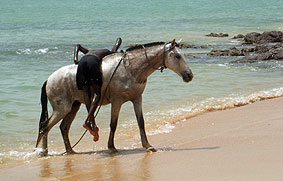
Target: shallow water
38	37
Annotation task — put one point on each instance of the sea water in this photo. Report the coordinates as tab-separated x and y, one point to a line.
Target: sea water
38	37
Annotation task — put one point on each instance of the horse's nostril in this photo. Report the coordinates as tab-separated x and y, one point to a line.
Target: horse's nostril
191	75
187	76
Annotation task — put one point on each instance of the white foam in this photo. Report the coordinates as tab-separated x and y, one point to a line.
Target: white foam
28	51
222	65
23	155
166	128
23	51
209	104
41	51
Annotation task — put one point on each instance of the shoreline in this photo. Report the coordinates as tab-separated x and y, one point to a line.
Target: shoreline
240	143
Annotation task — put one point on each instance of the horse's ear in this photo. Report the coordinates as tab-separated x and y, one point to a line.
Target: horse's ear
173	44
179	43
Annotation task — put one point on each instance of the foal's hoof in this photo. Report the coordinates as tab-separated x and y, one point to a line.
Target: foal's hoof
151	149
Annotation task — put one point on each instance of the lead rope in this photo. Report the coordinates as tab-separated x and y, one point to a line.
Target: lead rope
122	58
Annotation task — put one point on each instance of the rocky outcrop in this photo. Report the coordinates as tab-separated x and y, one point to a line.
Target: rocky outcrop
218	35
239	36
186	45
261	38
231	52
264	49
263	53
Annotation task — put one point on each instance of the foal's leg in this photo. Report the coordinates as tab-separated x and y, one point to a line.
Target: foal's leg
66	124
115	110
139	114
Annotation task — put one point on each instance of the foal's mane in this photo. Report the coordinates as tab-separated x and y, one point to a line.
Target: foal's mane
141	46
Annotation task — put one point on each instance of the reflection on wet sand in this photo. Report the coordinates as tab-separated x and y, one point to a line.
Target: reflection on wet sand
98	166
127	164
45	170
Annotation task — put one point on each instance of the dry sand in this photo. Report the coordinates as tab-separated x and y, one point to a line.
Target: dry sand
245	143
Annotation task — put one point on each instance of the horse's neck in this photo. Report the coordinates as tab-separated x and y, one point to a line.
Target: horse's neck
145	62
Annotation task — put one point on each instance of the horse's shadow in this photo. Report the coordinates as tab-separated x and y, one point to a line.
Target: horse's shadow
136	151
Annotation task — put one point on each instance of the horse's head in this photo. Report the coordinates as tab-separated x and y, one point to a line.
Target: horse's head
175	61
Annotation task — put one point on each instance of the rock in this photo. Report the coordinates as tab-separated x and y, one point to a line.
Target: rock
263	53
251	37
185	45
245	51
235	52
262	48
279	55
215	53
272	37
253	58
218	35
266	37
229	52
239	36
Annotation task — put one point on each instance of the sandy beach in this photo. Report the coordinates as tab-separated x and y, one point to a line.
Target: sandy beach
244	143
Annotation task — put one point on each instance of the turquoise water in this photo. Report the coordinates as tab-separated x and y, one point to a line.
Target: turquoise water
38	37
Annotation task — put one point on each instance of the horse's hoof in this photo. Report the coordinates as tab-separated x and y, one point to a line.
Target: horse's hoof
112	151
151	149
43	153
72	152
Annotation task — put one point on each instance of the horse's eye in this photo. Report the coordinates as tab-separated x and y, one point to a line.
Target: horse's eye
178	56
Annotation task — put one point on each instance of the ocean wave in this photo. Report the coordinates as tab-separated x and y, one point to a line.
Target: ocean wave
164	121
213	104
40	51
10	157
165	128
23	51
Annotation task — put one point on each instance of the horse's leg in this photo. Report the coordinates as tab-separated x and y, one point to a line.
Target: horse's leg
115	110
54	119
139	114
66	124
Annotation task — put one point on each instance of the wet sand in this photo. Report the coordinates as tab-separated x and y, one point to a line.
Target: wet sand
244	143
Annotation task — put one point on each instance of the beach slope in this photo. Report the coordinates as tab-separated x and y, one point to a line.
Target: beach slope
244	143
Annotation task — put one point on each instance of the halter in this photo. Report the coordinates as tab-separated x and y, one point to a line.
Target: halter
163	60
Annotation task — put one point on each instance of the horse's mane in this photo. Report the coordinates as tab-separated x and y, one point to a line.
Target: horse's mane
141	46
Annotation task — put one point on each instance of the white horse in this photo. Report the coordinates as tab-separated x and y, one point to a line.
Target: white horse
127	84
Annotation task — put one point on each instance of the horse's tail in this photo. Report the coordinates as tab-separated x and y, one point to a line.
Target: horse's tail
43	122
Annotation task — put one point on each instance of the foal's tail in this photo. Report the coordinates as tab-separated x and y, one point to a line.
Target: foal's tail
43	122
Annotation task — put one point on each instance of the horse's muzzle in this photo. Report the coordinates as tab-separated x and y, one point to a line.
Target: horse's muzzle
187	75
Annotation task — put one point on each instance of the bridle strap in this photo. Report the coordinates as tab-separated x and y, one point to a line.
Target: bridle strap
164	65
163	60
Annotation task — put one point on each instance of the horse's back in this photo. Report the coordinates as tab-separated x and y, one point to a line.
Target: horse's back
62	85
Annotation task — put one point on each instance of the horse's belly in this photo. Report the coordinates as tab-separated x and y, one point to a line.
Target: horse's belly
124	93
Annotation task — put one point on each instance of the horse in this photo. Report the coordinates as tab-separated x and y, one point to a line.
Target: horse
124	79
